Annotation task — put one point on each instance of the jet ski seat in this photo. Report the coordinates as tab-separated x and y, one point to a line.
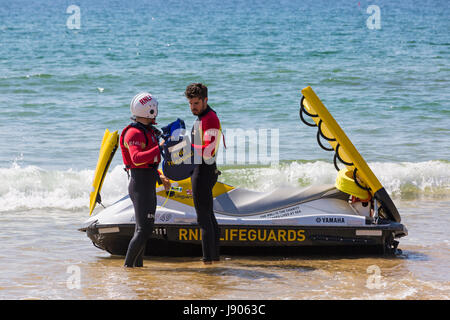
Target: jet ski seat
242	202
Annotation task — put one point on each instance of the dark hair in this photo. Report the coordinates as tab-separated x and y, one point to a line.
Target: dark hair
196	90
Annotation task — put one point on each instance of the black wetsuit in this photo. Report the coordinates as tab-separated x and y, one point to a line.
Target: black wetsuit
203	180
143	195
141	156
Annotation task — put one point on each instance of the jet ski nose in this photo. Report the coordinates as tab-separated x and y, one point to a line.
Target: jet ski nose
85	226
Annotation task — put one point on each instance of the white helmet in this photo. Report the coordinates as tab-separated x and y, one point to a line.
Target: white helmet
144	105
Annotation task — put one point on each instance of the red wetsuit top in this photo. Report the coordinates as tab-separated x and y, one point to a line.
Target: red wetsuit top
137	150
206	134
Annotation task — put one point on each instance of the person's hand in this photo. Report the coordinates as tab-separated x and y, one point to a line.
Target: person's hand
162	142
166	182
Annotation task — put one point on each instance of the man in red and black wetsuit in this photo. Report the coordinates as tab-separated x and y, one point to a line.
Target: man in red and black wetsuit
141	156
205	141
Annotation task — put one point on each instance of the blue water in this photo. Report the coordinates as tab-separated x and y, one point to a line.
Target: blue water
388	88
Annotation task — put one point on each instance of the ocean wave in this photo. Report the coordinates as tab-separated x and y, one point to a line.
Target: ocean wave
28	76
31	187
401	179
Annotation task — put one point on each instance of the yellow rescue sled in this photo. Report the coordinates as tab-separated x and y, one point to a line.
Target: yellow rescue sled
109	146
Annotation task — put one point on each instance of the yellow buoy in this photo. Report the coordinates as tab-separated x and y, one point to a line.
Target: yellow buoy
345	183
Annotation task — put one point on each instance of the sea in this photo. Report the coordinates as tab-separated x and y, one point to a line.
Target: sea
69	69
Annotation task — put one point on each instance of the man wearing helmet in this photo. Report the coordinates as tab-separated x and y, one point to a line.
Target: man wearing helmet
141	156
205	141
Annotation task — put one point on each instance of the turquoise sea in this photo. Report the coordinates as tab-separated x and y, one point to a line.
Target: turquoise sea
68	71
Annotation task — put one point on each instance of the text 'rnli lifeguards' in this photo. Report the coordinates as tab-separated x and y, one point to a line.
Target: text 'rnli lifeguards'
247	234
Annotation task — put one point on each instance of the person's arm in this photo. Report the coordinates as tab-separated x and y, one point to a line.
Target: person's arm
165	181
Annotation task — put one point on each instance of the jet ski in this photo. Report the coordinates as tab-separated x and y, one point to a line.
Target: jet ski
354	214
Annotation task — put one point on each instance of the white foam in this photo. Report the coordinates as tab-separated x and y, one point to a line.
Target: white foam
284	174
399	179
429	177
33	187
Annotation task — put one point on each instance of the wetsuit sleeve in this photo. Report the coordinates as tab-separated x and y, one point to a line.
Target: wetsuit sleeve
135	143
